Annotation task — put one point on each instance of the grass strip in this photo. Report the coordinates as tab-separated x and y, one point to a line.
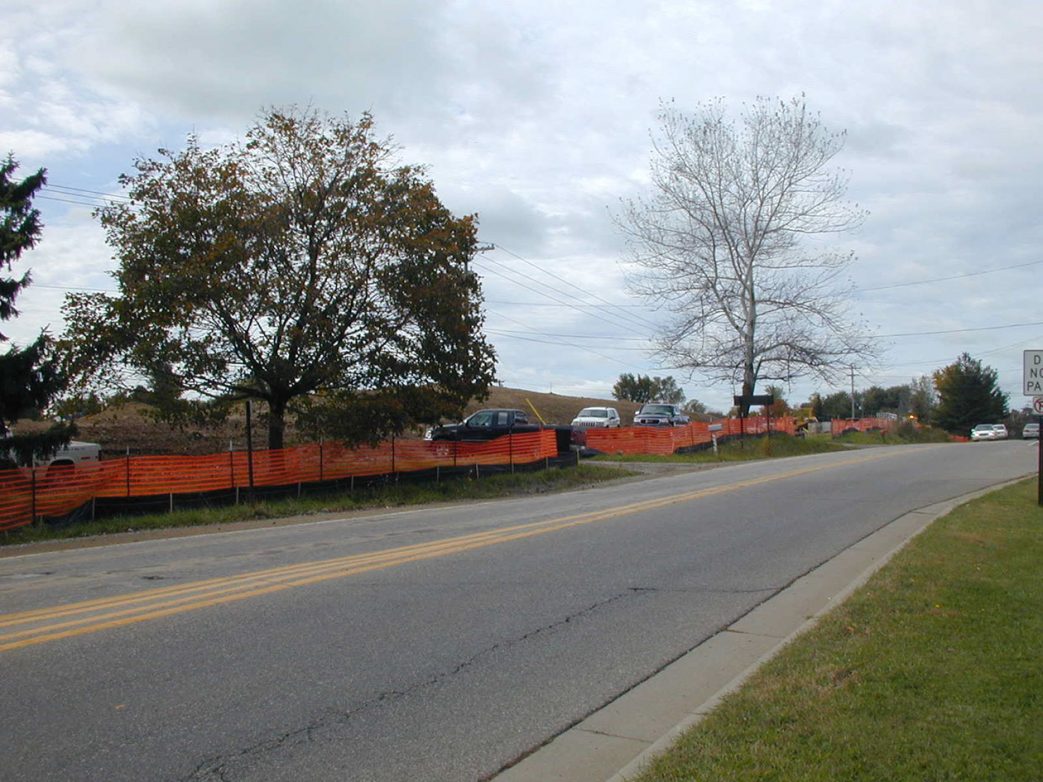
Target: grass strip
379	496
931	671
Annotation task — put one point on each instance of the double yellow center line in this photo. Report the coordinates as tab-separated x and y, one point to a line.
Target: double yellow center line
27	628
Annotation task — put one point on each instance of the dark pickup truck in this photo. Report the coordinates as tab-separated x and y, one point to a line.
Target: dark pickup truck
660	414
497	422
486	425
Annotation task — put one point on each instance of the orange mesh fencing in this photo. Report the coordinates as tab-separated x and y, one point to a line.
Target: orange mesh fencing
27	494
665	440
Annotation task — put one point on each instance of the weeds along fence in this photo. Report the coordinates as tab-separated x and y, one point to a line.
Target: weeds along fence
163	482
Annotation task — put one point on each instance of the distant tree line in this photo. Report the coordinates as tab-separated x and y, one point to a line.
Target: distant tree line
954	398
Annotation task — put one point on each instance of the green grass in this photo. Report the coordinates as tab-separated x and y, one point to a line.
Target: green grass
777	446
383	496
932	671
903	435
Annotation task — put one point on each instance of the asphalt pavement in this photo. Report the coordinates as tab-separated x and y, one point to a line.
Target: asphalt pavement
617	741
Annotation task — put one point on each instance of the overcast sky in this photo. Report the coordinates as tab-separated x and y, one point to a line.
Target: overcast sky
537	117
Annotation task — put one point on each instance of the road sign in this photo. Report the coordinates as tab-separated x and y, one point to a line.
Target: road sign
767	399
1037	405
1033	377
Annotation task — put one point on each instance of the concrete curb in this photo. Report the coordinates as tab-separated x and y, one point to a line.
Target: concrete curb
616	742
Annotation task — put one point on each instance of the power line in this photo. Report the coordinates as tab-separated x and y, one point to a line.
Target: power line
72	288
578	336
574	305
959	331
952	277
76	190
69	201
559	343
636	319
601	316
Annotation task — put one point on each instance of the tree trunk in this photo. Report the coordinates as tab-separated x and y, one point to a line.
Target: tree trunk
276	423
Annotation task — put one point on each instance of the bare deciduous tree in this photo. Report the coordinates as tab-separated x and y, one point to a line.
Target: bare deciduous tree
730	241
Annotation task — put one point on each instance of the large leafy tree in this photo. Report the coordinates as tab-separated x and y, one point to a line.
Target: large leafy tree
643	388
835	405
29	377
723	242
922	398
876	400
968	394
300	267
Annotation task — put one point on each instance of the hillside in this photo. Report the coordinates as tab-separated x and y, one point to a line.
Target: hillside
128	427
552	408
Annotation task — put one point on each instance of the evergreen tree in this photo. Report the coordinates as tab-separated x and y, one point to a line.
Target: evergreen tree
968	394
29	377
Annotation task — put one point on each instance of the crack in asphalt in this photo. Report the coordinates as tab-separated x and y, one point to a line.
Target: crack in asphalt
228	767
707	590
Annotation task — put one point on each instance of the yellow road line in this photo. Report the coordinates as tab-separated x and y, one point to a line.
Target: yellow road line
42	625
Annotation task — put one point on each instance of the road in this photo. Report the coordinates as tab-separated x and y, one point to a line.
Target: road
440	643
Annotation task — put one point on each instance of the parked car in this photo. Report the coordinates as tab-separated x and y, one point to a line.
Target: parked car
1030	430
597	418
989	432
76	452
660	414
485	425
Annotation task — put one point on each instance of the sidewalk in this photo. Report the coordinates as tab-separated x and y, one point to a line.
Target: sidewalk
613	743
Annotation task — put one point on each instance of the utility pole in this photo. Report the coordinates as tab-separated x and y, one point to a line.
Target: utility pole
479	248
852	392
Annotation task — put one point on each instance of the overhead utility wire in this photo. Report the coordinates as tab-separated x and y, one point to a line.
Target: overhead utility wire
559	343
76	190
960	331
545	293
513	335
69	201
574	336
595	296
73	288
952	277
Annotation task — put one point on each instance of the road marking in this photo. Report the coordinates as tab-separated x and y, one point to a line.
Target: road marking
90	616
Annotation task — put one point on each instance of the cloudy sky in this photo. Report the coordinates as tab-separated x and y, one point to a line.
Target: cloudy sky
537	116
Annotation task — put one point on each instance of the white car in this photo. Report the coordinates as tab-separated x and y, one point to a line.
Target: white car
989	432
597	418
1031	430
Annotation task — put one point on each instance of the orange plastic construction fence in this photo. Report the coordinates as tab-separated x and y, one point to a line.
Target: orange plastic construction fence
665	440
28	494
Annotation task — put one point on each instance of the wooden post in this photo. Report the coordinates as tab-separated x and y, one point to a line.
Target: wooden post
249	449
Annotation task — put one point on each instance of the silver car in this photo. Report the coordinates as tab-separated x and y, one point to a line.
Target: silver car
1030	431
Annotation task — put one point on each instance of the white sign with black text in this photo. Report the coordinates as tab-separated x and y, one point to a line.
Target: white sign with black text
1033	385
